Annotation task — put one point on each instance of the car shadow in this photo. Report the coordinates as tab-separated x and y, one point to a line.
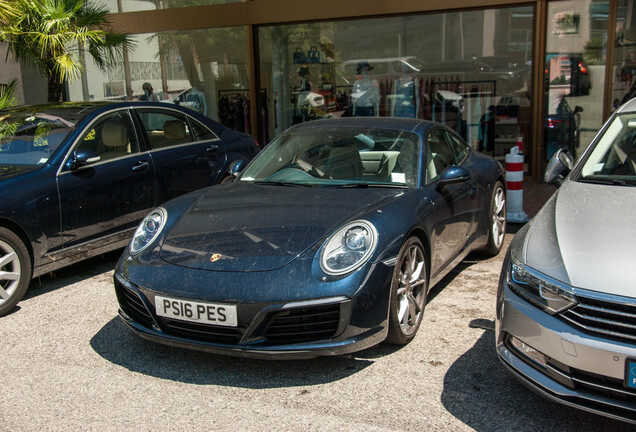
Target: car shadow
478	389
117	344
73	274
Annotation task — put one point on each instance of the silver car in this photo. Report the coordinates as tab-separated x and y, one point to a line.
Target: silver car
566	306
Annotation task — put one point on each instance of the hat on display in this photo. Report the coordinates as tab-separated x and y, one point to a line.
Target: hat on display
364	65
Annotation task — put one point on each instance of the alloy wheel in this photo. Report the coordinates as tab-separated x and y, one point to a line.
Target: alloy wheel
499	217
411	289
9	271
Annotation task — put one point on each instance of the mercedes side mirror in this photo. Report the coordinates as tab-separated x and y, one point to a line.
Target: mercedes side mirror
82	158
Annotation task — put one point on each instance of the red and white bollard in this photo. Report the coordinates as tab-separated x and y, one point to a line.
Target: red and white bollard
514	184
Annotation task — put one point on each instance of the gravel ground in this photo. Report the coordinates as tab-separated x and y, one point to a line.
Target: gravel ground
68	363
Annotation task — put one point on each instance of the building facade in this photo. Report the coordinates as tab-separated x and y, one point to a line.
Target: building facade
548	71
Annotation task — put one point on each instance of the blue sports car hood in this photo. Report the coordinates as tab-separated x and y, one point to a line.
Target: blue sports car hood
583	237
250	227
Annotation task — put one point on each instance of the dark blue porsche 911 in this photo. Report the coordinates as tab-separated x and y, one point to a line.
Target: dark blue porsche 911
326	243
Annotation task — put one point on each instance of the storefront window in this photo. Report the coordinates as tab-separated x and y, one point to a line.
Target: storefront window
469	70
624	83
205	70
574	73
142	5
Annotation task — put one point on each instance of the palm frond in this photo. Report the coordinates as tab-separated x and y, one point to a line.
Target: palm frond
7	94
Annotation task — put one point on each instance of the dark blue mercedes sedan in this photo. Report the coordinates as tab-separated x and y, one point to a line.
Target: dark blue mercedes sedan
76	179
328	242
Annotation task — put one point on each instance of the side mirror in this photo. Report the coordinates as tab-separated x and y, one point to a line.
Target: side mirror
237	167
82	158
453	175
559	166
578	109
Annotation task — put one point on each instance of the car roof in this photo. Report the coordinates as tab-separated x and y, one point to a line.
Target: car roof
629	106
68	109
81	109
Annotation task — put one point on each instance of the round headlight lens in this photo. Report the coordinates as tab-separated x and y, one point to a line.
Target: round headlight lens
148	230
348	248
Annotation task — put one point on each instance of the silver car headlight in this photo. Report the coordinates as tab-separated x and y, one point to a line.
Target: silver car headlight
148	230
348	248
541	290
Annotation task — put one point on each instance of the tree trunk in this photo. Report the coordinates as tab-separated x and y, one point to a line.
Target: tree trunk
54	87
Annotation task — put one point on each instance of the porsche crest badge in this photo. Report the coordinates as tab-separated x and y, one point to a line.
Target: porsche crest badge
215	257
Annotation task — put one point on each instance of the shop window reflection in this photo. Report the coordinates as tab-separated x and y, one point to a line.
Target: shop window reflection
468	70
140	5
574	74
624	83
205	70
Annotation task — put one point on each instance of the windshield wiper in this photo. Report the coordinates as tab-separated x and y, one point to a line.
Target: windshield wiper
364	185
283	183
614	181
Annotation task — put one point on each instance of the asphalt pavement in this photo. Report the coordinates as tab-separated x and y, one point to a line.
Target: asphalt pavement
68	363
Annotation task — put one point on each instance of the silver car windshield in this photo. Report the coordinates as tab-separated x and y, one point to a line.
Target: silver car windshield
30	138
613	158
337	156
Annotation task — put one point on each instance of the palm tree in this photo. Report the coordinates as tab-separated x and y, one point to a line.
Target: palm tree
7	96
6	12
54	34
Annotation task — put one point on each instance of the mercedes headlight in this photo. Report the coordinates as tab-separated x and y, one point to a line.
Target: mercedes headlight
348	248
148	230
542	291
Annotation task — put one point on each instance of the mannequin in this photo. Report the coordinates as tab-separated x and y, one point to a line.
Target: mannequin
406	96
148	93
304	91
366	93
199	100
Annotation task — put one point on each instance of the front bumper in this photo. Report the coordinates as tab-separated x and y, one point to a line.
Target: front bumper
582	370
349	316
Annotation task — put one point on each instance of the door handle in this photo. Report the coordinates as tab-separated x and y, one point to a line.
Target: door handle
140	166
212	149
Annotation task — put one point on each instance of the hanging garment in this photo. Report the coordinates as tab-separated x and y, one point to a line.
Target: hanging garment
404	98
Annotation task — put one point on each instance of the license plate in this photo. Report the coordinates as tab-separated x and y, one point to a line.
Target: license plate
630	374
198	312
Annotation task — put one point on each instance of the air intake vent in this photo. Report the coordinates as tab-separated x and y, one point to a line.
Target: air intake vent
304	324
612	319
132	305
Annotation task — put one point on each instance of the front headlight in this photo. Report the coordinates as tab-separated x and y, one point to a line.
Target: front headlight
148	230
349	248
541	290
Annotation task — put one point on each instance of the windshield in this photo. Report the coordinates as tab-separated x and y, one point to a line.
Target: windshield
29	138
613	159
338	156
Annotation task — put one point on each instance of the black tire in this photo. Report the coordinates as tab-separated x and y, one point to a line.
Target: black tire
409	288
496	220
14	260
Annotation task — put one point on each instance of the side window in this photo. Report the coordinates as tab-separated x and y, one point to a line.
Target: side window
111	137
165	129
438	154
201	132
459	148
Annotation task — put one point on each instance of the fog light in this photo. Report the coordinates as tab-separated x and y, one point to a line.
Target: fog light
529	352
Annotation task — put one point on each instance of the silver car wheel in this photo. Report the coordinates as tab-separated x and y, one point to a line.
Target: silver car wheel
411	289
499	217
10	271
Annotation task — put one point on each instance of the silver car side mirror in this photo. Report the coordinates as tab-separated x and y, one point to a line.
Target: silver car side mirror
558	167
